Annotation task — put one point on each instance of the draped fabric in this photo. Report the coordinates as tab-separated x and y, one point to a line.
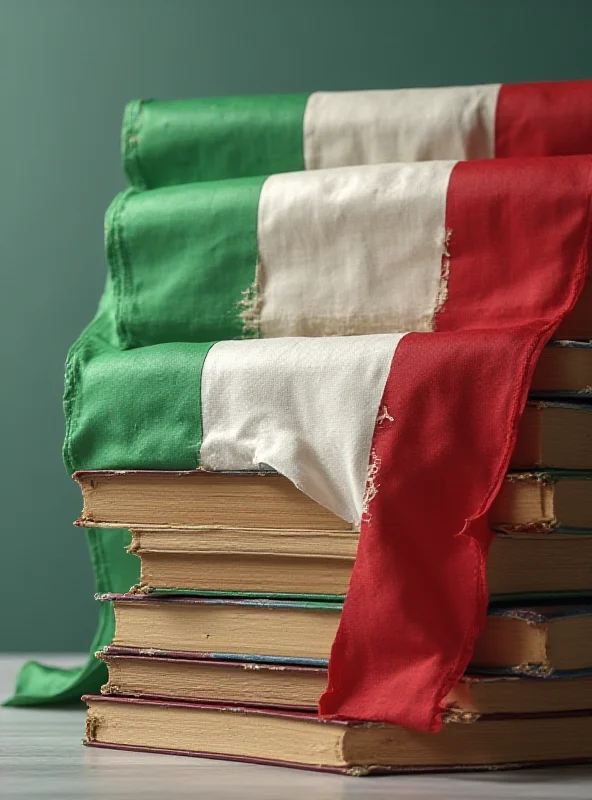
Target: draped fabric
503	259
207	139
418	594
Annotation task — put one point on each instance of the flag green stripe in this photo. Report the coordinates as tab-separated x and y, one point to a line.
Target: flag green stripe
208	139
134	409
137	408
180	259
123	409
115	571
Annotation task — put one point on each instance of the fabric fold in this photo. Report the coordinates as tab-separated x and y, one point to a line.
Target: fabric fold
455	398
184	141
433	435
181	261
345	251
334	252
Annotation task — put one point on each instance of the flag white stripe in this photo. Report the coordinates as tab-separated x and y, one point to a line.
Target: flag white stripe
352	250
305	407
372	127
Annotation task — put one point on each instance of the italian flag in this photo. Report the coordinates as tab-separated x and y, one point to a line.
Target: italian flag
174	142
461	271
344	251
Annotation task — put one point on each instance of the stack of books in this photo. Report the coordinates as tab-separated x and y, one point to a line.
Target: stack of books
222	648
242	578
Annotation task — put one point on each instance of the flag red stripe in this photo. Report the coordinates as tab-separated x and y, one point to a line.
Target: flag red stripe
418	594
544	119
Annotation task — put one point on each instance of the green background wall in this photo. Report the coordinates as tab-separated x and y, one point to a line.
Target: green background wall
67	67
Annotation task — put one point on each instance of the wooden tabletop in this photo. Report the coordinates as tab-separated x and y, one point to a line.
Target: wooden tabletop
41	755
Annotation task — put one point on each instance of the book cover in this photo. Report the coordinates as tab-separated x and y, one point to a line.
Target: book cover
293	739
241	681
534	501
536	619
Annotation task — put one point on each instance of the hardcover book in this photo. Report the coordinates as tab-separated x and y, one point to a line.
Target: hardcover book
182	677
304	740
256	534
554	435
536	641
530	502
264	563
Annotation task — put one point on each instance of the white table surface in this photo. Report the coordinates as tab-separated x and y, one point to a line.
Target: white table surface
41	755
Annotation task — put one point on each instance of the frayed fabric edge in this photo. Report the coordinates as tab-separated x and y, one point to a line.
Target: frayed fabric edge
250	306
